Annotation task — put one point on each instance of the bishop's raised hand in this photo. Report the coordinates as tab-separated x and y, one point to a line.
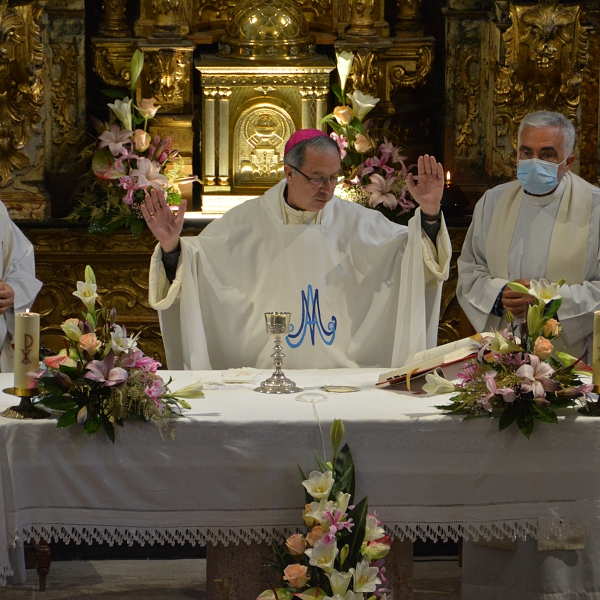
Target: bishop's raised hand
428	190
162	222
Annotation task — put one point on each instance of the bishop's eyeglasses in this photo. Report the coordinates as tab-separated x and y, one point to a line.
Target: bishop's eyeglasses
319	181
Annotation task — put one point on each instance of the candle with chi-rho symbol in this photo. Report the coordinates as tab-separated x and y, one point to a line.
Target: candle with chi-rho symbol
27	350
596	353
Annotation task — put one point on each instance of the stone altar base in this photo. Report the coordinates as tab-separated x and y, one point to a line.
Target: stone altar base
236	572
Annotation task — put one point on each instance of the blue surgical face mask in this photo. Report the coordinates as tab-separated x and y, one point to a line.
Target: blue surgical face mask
537	176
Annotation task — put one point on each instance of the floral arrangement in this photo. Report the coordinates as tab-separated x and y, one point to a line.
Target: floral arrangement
127	163
341	556
374	171
102	378
519	377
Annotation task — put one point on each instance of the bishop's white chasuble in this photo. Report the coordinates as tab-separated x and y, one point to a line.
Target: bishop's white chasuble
362	291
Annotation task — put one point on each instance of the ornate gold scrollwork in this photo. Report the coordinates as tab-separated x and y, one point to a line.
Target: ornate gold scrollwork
63	89
422	62
546	49
112	61
365	71
167	68
467	96
21	84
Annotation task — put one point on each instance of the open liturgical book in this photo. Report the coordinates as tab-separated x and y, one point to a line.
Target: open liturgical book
450	358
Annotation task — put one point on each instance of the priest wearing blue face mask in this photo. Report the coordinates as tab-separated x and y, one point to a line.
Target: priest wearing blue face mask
544	225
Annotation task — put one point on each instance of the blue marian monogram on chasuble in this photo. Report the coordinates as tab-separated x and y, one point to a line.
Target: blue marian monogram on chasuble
311	320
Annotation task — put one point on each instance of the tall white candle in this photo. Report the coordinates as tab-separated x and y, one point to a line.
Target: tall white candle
596	353
27	349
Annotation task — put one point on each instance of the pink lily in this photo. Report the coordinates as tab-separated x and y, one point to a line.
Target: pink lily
336	523
341	141
155	391
131	186
115	139
536	377
490	381
380	190
388	150
136	359
148	174
105	372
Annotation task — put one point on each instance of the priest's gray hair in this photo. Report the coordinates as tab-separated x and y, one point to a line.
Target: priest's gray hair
545	118
297	155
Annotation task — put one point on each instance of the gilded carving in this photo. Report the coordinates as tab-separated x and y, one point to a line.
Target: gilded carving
63	89
167	68
409	17
112	23
411	73
467	96
112	62
362	20
546	49
260	135
365	71
21	84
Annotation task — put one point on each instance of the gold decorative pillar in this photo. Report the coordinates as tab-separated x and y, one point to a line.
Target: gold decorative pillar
307	94
112	23
321	107
22	109
208	136
224	94
410	23
164	18
362	22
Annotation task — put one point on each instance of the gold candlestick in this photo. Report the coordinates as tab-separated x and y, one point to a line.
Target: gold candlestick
596	353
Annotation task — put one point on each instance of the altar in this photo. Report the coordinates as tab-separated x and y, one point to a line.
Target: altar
230	475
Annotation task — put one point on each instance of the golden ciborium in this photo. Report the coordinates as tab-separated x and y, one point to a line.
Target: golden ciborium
278	326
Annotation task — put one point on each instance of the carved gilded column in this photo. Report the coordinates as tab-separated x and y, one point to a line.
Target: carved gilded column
307	94
112	23
208	135
22	109
164	18
362	21
321	107
410	23
224	174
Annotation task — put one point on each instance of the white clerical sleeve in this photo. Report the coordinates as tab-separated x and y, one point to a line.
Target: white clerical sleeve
421	277
477	290
179	312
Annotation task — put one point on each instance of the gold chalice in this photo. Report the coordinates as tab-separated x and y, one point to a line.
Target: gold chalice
278	326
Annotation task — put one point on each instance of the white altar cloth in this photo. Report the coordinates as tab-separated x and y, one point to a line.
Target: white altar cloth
230	474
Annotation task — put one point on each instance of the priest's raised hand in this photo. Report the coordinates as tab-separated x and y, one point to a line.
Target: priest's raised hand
164	225
429	187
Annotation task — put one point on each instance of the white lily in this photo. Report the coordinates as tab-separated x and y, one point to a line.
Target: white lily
323	554
344	66
341	502
318	484
373	531
86	292
501	345
339	582
188	392
318	510
545	291
438	385
365	577
122	108
119	342
362	103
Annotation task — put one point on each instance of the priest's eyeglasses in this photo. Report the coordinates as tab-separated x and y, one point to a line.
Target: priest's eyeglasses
320	181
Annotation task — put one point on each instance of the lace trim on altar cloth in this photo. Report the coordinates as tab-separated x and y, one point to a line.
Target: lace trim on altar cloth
519	528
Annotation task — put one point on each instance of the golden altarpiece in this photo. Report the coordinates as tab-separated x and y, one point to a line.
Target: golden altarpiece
235	78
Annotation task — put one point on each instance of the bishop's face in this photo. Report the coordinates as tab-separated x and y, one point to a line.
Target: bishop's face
545	143
304	191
